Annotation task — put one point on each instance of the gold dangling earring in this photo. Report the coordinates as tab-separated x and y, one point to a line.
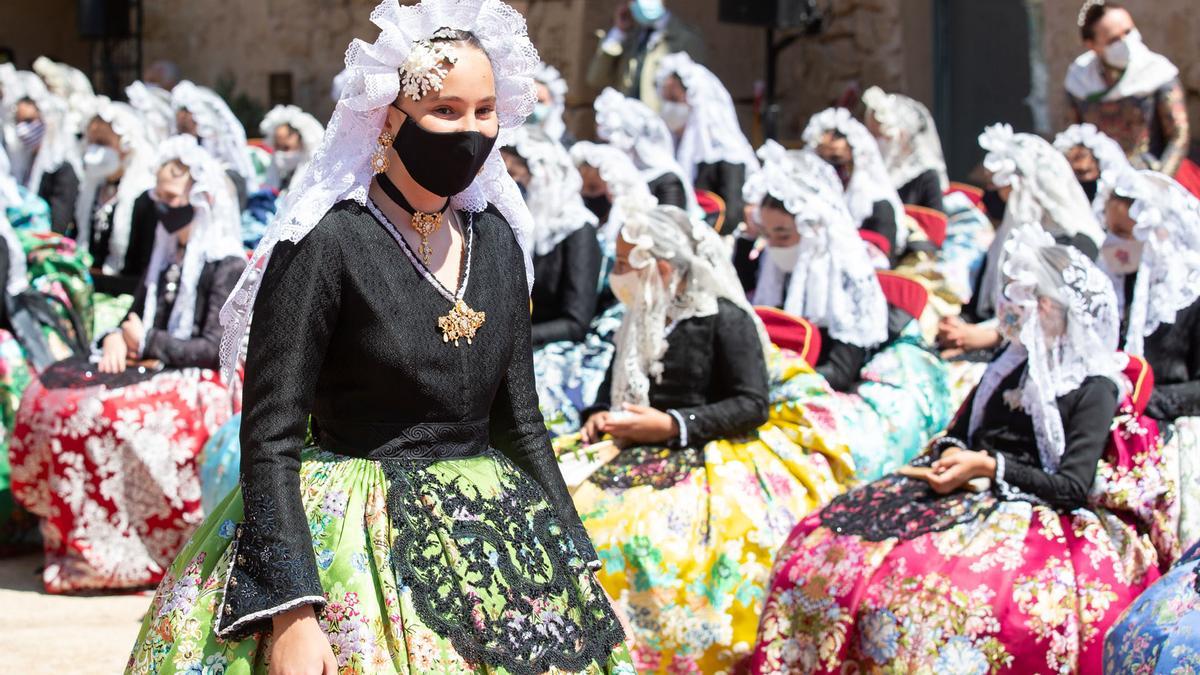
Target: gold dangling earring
379	159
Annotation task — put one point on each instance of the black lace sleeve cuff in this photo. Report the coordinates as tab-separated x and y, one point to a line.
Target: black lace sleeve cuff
262	585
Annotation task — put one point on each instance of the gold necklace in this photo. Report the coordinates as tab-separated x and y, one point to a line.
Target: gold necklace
426	224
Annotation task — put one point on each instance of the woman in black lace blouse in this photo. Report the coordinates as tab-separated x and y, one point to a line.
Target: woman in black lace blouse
400	506
1015	529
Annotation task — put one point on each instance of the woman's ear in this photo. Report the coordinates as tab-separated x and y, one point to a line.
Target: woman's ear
664	271
395	118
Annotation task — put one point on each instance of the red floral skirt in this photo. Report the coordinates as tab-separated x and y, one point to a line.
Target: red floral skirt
111	474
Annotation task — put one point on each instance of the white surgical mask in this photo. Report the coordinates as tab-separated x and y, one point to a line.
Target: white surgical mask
100	161
676	115
286	161
625	286
1119	53
540	112
784	257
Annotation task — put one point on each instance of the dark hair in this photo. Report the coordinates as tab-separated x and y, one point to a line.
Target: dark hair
452	35
770	202
1092	16
510	151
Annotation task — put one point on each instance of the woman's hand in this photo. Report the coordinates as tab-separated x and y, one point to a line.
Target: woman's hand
956	336
133	332
113	354
593	430
641	425
955	469
300	646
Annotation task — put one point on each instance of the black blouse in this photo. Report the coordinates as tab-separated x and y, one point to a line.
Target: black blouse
924	190
883	221
714	378
60	189
1087	414
668	189
566	287
1173	351
345	328
726	181
143	223
202	349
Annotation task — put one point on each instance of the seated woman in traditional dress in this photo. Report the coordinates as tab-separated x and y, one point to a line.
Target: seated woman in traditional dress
631	125
989	556
908	141
42	148
711	474
849	148
880	375
293	136
1153	257
400	509
1038	186
709	143
1095	158
105	453
115	216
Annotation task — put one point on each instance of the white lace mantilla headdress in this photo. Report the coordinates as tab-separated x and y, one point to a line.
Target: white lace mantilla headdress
834	284
870	181
1044	190
1110	158
71	85
1083	343
701	273
137	177
219	129
1167	219
154	104
910	145
306	125
631	125
713	133
554	125
554	188
341	168
626	186
215	234
59	145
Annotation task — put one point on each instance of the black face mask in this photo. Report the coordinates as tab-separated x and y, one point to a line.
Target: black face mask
994	205
841	165
175	218
599	205
444	163
1089	188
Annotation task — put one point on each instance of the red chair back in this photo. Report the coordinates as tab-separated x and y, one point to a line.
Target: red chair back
1141	375
881	242
791	332
973	193
932	221
904	292
714	208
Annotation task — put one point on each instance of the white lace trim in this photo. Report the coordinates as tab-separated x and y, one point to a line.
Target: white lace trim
1109	156
626	185
553	197
554	125
227	631
310	131
219	129
679	421
341	168
154	104
910	145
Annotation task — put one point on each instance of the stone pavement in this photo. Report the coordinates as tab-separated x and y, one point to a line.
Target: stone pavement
44	634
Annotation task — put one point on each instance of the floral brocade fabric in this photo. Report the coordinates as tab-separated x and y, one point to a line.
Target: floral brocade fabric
405	592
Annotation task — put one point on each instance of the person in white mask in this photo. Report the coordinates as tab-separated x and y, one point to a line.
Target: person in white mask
294	136
1129	92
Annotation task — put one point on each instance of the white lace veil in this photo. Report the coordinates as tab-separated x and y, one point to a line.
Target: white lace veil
713	133
1167	219
554	125
1044	190
626	186
834	284
71	85
910	145
1109	157
138	176
341	168
215	234
154	104
306	125
631	125
10	195
701	273
219	129
553	196
870	182
1085	346
58	146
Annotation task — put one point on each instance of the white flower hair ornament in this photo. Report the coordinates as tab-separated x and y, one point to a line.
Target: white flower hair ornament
1000	143
375	76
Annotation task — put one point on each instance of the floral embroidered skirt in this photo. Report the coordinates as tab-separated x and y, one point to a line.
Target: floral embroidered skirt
894	578
1160	631
112	474
687	536
220	464
569	374
371	615
17	527
902	401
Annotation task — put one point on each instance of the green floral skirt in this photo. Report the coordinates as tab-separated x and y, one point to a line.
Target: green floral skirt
370	617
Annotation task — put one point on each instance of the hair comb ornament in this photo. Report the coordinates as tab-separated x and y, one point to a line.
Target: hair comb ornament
1087	5
425	67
